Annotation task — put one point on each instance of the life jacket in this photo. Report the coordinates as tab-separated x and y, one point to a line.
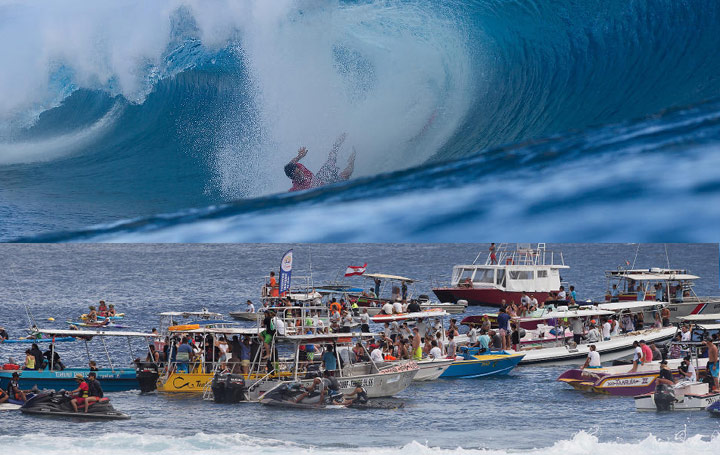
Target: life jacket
84	393
335	306
390	358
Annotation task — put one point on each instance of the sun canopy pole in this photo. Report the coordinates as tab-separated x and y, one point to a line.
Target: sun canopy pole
102	339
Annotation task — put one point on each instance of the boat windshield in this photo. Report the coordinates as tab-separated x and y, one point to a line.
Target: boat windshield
484	276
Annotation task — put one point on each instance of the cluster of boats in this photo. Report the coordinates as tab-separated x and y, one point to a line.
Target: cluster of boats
310	340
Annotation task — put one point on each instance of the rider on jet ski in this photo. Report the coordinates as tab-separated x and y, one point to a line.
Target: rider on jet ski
358	395
83	394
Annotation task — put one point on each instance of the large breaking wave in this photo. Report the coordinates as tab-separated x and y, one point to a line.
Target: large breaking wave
132	109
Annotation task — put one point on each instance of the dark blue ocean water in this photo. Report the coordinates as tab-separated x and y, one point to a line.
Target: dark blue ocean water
566	119
524	411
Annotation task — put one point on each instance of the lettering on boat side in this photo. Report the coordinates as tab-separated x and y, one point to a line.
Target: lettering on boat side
180	382
640	381
365	382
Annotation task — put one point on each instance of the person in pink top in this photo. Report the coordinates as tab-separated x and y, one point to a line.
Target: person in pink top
647	352
303	179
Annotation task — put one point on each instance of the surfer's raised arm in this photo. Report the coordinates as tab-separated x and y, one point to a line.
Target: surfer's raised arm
301	154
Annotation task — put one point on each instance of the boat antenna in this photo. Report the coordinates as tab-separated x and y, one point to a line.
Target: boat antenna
666	256
29	314
637	250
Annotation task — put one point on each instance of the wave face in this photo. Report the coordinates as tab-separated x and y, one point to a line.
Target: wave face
118	111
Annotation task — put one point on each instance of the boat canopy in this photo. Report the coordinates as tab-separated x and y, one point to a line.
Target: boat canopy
405	316
217	330
660	277
389	277
571	314
85	333
700	317
629	305
326	337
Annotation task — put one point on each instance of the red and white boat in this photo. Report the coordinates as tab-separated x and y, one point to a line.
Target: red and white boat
505	275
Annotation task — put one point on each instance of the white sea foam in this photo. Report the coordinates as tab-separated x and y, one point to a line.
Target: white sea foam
209	444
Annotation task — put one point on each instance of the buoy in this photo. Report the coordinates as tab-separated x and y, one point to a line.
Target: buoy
51	319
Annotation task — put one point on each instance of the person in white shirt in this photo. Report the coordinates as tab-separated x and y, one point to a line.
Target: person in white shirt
377	354
525	299
397	308
279	325
394	330
387	308
435	352
473	336
615	328
364	321
422	327
606	327
685	331
593	358
637	357
687	370
250	308
562	295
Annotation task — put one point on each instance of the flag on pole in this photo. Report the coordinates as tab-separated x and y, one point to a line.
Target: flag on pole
355	270
627	262
285	272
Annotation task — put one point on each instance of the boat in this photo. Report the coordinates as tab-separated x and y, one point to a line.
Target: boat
618	379
433	313
474	365
58	405
284	396
538	349
671	287
714	409
504	277
298	295
98	325
117	317
431	369
683	396
112	378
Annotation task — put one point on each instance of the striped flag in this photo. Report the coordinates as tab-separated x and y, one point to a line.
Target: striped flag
355	270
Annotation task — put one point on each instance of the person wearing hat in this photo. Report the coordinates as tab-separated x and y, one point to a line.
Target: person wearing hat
14	389
82	392
3	334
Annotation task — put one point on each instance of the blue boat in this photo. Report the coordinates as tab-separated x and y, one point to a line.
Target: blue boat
112	380
474	365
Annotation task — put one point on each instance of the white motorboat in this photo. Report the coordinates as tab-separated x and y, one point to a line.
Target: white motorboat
684	396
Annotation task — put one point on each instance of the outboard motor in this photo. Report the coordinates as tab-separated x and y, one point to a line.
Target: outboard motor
664	398
229	388
147	375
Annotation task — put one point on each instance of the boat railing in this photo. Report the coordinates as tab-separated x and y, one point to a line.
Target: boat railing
525	254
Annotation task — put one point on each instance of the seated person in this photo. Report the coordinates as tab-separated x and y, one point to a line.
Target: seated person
317	386
14	390
53	359
357	396
82	393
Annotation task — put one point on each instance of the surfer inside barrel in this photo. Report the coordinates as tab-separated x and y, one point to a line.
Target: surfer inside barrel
304	179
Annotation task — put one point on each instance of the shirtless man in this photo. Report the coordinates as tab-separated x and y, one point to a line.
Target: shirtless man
304	179
713	363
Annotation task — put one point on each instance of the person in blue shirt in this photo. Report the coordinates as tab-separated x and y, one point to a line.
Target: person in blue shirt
183	356
329	360
503	320
573	294
614	294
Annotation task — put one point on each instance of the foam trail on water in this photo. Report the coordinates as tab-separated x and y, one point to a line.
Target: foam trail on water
209	444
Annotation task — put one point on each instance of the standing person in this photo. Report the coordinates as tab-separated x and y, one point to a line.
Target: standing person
377	282
647	352
493	258
665	316
713	363
37	353
573	294
416	348
364	321
329	360
606	329
503	320
274	288
404	290
472	336
249	307
577	329
184	355
614	294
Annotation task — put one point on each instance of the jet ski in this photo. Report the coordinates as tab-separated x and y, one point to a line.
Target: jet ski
284	395
58	404
714	409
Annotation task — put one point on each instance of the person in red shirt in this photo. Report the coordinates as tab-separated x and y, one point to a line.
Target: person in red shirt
647	352
303	179
82	392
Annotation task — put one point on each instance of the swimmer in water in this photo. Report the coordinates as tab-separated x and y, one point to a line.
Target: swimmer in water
304	179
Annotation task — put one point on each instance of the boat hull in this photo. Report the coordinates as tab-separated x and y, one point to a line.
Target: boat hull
614	349
429	370
119	380
483	365
484	296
